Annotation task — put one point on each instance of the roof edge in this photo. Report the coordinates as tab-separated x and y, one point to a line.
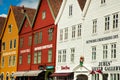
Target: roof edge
60	11
86	7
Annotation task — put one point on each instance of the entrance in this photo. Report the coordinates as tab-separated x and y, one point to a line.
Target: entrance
82	77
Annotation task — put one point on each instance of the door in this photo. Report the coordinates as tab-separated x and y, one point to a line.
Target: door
82	77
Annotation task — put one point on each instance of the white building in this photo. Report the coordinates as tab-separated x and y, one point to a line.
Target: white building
69	41
102	38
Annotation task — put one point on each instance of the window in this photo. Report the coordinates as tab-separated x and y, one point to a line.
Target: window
29	58
59	56
43	14
36	37
50	34
115	76
73	32
66	33
20	60
35	58
113	50
10	44
103	1
3	61
94	53
115	21
10	28
64	56
3	46
61	34
14	43
79	30
21	42
30	40
72	54
14	60
107	23
94	26
26	24
40	37
95	76
50	55
39	56
10	60
70	10
105	51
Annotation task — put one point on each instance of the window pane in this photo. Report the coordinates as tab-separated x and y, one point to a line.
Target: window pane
39	57
50	55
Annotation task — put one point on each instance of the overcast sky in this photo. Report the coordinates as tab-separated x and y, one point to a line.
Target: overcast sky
5	4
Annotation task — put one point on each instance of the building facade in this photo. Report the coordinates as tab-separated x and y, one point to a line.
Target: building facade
101	38
25	46
9	46
69	41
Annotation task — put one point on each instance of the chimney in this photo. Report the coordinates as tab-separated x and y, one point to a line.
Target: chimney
23	9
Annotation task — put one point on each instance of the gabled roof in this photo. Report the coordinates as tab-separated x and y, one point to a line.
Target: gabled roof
81	4
29	16
2	21
19	13
54	6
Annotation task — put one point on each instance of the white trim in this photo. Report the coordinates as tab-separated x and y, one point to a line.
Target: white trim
86	7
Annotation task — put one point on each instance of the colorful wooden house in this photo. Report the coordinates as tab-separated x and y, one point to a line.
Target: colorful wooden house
25	45
43	52
10	39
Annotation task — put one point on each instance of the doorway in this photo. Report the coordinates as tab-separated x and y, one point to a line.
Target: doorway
82	77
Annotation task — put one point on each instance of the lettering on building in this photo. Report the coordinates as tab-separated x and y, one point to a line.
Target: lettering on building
102	39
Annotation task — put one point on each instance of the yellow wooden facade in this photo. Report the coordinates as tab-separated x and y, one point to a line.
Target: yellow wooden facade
9	46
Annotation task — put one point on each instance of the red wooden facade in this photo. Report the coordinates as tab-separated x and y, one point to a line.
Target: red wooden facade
44	25
24	34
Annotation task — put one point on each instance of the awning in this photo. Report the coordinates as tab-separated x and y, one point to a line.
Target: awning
60	74
33	73
19	73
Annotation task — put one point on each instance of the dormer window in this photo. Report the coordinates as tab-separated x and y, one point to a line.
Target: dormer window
10	28
103	1
43	15
70	10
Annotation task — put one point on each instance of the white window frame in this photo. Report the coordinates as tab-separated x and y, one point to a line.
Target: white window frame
66	33
94	26
64	56
73	32
72	54
107	23
105	51
59	56
70	10
39	57
79	30
93	52
115	20
113	50
61	34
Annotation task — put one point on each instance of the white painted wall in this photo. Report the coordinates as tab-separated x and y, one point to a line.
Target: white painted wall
98	11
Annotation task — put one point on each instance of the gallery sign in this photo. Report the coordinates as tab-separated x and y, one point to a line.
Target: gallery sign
106	66
102	39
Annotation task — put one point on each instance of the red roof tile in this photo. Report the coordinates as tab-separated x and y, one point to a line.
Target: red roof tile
82	3
2	21
55	6
19	14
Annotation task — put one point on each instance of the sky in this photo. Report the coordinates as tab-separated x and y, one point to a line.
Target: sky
5	4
